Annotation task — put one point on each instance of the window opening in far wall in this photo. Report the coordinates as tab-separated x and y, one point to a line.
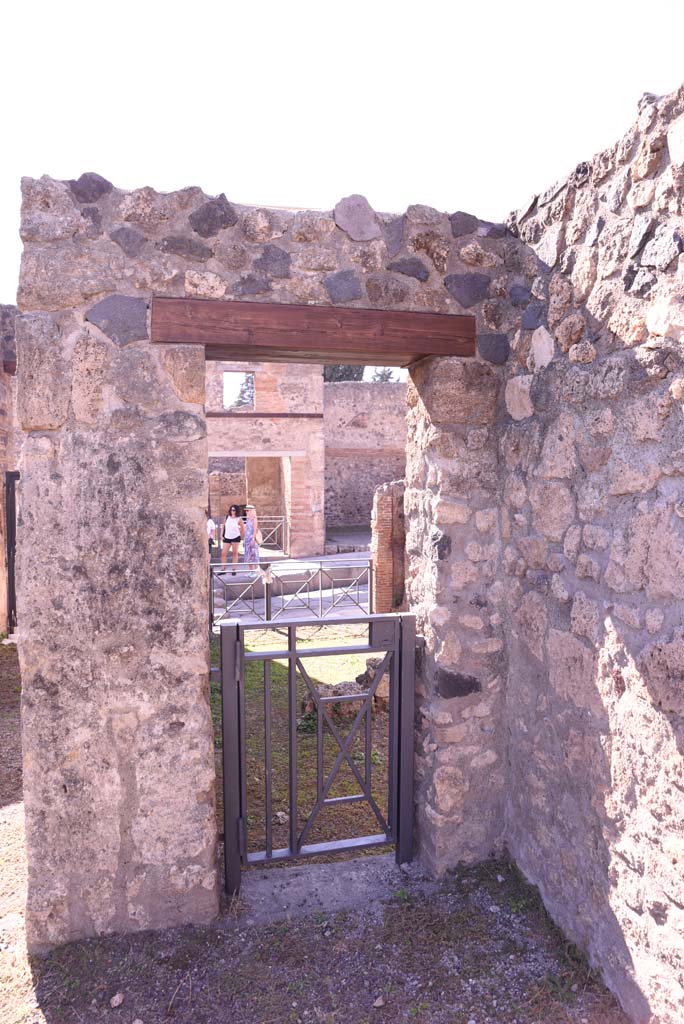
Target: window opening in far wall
238	391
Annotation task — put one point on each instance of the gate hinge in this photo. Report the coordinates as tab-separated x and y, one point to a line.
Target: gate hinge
242	838
238	661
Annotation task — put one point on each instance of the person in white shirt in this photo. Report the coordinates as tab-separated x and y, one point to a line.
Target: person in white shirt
211	531
233	530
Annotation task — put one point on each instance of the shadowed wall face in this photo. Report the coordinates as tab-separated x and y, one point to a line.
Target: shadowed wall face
593	499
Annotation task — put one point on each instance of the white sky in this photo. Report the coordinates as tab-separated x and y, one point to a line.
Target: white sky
469	106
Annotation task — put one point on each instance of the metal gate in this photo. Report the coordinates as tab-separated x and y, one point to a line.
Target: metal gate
393	638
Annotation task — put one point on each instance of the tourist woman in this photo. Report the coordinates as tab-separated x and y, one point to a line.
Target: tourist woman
232	534
251	535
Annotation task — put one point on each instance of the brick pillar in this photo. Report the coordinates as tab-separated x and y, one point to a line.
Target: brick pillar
388	547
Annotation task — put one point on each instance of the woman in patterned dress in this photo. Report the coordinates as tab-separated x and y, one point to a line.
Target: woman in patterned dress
250	530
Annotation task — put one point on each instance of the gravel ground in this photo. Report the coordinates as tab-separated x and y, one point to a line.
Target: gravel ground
476	948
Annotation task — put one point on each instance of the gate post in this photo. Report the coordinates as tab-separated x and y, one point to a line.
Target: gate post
230	726
407	677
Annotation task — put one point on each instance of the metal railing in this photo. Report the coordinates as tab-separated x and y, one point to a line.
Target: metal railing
315	588
393	638
273	532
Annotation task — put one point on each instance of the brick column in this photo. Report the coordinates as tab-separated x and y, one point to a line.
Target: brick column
388	547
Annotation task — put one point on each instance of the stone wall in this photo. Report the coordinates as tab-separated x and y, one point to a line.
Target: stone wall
592	458
543	507
119	776
365	446
10	440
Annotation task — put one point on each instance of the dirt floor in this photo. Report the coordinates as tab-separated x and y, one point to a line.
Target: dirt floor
476	948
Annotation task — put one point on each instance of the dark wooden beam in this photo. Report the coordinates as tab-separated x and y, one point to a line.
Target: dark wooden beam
279	332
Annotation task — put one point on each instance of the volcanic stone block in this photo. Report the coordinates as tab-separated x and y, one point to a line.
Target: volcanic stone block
213	216
129	239
463	224
274	261
90	187
190	248
468	289
533	317
355	215
344	286
519	295
411	267
121	318
253	284
393	232
456	684
495	348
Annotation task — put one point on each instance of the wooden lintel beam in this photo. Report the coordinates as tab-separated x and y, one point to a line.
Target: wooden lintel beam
266	331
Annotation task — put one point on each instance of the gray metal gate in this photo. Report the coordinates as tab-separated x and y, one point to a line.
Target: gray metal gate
393	638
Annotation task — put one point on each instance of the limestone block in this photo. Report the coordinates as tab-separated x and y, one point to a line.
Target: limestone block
584	617
262	225
185	367
675	141
628	477
549	248
64	275
532	622
44	379
541	349
587	568
596	537
662	665
572	671
583	275
553	507
517	397
515	492
558	457
560	297
433	244
48	211
309	226
654	619
569	331
485	520
584	352
90	362
535	551
641	194
458	391
446	513
204	284
628	614
665	317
